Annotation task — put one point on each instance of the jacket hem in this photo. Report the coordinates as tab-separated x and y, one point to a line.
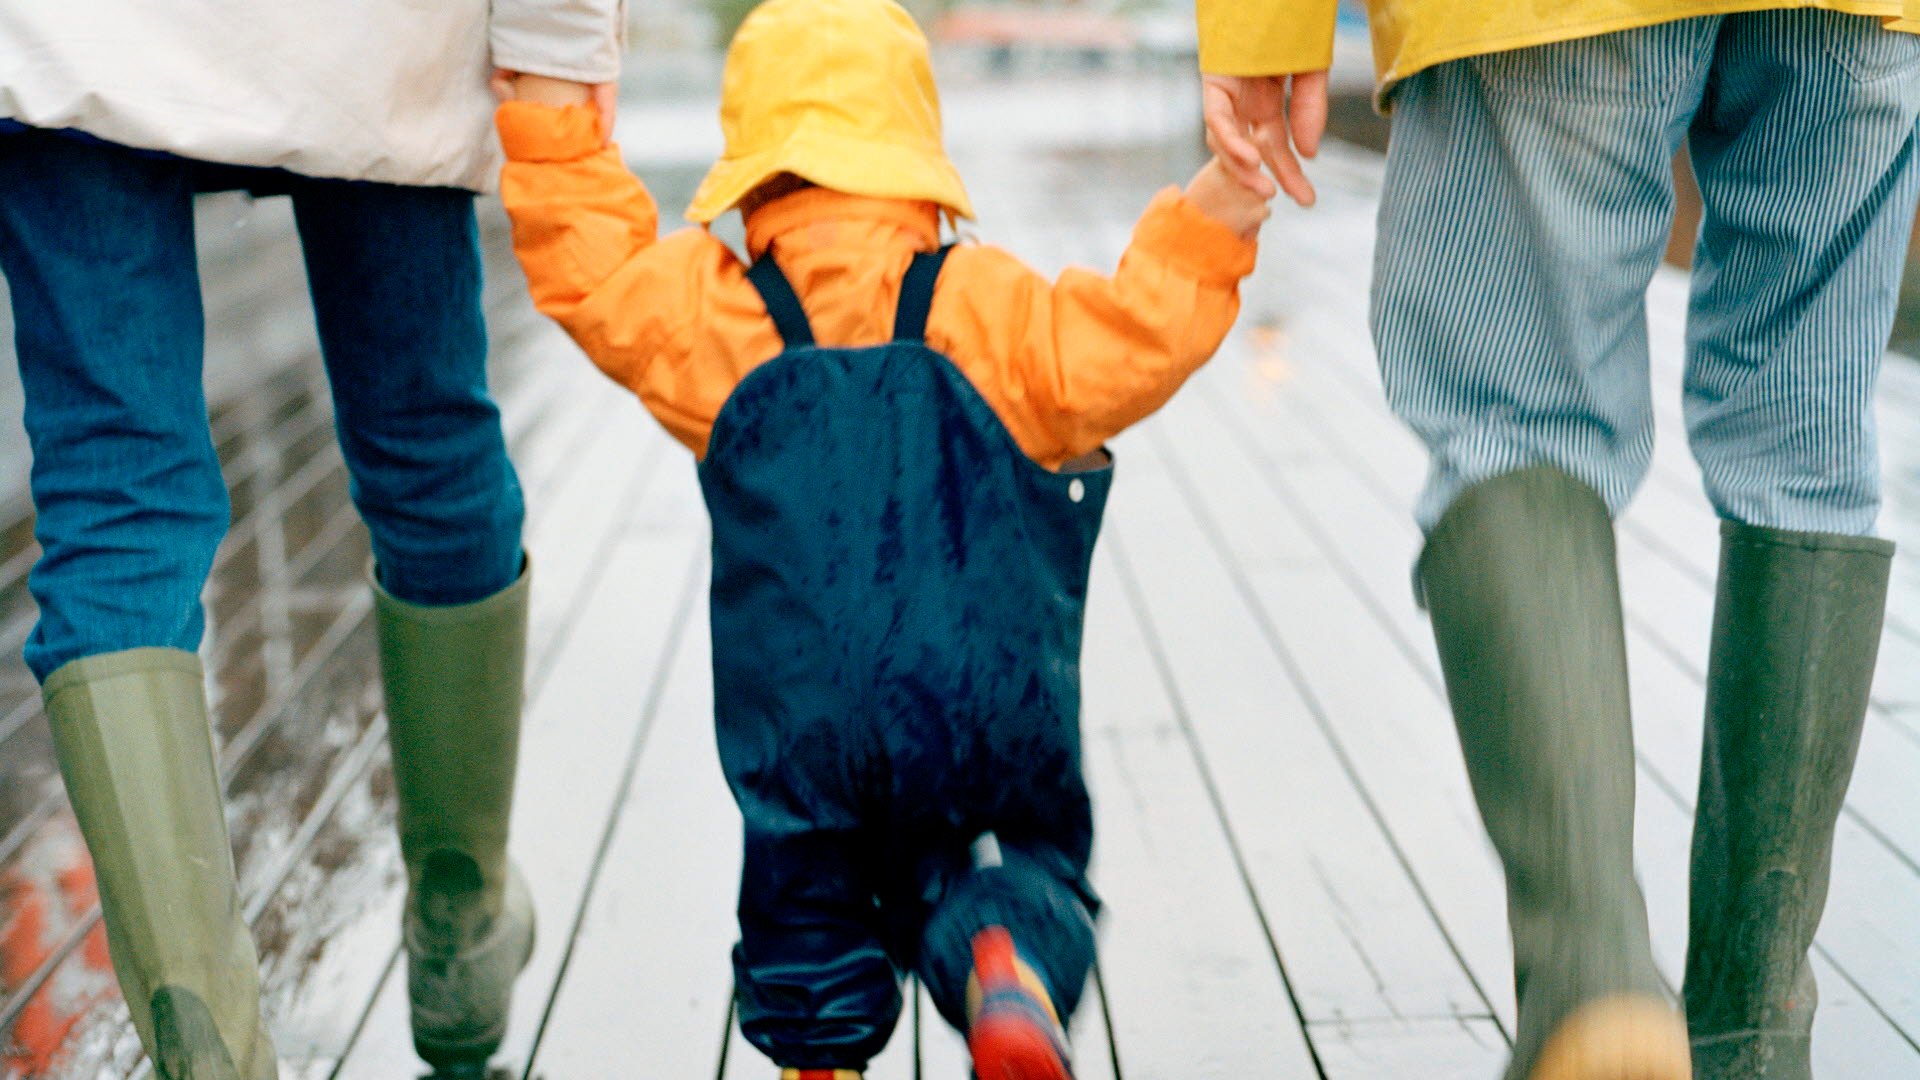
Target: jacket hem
1390	72
592	75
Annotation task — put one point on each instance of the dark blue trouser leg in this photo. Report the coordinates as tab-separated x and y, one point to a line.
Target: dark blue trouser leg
395	277
1045	913
814	984
97	246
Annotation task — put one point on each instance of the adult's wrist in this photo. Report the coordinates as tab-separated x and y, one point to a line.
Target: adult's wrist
546	90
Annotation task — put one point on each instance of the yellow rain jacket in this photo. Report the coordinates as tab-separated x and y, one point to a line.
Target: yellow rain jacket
1064	365
1274	37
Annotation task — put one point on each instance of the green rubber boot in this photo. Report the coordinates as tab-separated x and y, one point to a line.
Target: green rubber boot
1796	632
1521	580
131	734
454	678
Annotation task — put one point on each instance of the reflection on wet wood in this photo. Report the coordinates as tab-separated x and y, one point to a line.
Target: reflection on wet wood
295	715
28	788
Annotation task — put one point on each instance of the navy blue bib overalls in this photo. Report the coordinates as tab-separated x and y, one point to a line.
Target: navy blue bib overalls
898	593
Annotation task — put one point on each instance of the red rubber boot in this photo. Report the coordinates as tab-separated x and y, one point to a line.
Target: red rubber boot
1015	1034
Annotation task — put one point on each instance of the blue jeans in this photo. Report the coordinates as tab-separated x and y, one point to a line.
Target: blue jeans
97	245
1527	202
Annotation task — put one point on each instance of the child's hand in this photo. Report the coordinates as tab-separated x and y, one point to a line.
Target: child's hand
1228	201
544	90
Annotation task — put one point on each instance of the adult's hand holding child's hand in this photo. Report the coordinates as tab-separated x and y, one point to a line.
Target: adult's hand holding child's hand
545	90
1226	200
1273	119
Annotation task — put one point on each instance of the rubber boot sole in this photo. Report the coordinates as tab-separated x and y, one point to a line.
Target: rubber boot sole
1617	1038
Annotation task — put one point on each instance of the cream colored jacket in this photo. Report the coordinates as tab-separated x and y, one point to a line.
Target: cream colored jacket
387	90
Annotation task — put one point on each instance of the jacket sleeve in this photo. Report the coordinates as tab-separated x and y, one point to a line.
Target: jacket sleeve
586	232
1089	355
579	40
1266	37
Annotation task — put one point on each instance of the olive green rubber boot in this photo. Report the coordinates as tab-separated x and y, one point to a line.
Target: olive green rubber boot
1796	632
454	678
1521	580
131	734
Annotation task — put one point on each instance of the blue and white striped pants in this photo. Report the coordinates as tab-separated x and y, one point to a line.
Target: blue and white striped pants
1527	202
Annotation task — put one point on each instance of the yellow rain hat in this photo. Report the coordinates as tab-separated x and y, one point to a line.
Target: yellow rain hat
837	92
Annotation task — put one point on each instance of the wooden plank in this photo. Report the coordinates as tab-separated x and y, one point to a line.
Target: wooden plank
648	971
1093	1053
1384	712
1191	984
1358	939
1352	627
1289	560
1433	1049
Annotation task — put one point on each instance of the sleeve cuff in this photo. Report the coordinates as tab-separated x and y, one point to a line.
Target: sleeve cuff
530	132
581	40
1177	232
597	70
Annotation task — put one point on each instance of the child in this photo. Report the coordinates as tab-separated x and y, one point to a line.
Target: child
901	450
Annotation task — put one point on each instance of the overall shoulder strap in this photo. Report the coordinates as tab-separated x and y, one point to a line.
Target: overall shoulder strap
782	303
916	295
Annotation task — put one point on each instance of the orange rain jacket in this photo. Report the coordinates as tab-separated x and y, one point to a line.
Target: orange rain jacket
1065	365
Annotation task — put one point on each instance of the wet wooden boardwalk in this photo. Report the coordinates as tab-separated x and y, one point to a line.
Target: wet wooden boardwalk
1297	880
